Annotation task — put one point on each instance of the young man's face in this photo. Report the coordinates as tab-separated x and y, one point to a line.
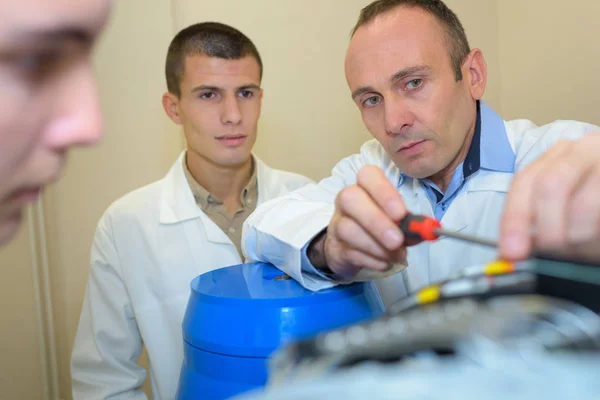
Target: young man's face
219	107
48	99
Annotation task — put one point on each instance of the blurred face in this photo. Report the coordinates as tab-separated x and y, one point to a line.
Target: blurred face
219	109
47	95
399	71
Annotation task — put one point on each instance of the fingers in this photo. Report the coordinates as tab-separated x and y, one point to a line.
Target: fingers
354	236
384	194
582	237
354	203
556	186
361	260
582	242
553	206
346	261
519	212
364	232
584	211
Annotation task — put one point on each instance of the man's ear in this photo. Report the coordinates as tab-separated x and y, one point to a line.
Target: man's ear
170	103
475	72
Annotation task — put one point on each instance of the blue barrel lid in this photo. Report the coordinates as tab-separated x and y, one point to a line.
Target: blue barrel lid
251	309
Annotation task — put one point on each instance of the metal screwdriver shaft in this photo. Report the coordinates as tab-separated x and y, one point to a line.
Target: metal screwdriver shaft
467	238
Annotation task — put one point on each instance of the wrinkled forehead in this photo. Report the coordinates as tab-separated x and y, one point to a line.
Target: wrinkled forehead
28	19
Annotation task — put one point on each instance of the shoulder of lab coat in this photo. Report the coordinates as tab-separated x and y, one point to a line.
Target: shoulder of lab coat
273	182
530	141
279	229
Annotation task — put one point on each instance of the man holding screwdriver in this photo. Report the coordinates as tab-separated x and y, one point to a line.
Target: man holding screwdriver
439	151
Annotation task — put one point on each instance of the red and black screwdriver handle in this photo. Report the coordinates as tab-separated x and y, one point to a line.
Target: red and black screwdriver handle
419	228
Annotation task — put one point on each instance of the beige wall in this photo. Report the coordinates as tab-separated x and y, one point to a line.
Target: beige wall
480	20
20	338
550	57
308	122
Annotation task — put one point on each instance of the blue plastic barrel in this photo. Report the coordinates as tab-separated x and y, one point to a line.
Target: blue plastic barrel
237	316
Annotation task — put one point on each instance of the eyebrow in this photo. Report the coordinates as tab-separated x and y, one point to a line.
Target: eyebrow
403	73
217	89
360	91
250	86
61	34
205	87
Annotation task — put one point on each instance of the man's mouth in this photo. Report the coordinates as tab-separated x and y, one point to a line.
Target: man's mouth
25	195
412	146
232	140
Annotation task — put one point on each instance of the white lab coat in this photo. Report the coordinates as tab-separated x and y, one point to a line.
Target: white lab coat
148	247
278	230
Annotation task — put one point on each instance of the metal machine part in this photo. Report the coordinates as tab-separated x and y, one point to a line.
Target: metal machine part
458	328
463	320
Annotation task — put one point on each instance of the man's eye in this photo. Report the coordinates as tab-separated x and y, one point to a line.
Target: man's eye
208	95
37	63
246	94
415	83
372	101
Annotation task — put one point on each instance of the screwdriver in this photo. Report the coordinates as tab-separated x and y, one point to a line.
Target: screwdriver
419	228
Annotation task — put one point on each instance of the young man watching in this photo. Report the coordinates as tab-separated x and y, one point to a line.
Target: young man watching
151	243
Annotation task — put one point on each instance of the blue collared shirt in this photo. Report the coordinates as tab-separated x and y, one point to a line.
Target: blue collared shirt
489	149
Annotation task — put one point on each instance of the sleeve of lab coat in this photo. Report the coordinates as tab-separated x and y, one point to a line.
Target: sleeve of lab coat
279	229
108	342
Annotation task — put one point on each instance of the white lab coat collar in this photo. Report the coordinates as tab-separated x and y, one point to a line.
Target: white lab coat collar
178	203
